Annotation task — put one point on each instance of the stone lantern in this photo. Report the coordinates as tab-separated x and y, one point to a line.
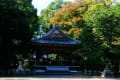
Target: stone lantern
20	67
107	72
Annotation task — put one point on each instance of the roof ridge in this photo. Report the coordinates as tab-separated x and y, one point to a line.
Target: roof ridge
60	30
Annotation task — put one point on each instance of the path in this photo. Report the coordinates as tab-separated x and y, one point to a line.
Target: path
57	77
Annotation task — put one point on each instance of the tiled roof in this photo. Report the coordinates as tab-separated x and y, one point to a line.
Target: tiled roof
56	36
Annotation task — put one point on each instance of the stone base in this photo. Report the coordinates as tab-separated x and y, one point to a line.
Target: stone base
107	73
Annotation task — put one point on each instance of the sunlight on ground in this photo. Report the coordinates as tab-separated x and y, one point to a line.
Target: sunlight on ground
57	77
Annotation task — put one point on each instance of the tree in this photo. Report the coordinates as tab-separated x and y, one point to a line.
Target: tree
18	21
103	24
70	17
48	13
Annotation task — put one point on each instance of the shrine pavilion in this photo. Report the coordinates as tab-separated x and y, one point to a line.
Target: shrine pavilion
55	48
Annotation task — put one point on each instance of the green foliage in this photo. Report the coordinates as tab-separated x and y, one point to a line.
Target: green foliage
26	64
105	24
53	56
48	13
18	21
70	17
102	27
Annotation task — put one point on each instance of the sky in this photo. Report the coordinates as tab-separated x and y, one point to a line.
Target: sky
42	4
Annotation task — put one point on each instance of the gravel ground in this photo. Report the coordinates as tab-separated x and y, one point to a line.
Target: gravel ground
57	77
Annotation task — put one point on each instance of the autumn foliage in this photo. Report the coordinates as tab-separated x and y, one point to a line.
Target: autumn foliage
69	17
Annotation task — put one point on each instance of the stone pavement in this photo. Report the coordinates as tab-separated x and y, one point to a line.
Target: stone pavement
57	77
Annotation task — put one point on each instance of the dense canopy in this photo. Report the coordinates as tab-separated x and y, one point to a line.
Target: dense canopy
18	21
